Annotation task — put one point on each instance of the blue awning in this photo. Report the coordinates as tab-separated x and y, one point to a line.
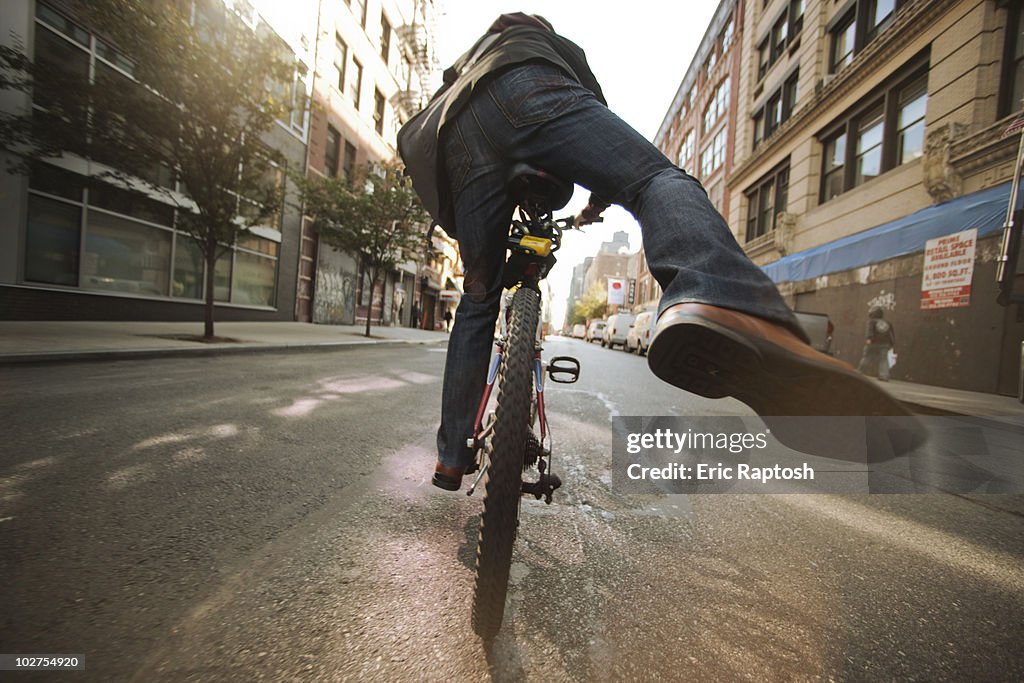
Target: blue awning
984	210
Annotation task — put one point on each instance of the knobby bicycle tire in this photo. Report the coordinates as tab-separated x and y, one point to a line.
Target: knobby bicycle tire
504	475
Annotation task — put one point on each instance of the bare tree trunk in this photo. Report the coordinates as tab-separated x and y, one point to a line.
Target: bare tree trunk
211	262
369	308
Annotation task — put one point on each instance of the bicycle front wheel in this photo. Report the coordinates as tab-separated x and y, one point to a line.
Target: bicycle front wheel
499	519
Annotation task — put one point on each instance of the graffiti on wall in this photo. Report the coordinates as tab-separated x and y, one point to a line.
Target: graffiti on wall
334	302
886	301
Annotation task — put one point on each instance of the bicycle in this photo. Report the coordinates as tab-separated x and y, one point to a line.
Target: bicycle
504	439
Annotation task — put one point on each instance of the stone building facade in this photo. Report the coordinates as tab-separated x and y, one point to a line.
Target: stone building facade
869	134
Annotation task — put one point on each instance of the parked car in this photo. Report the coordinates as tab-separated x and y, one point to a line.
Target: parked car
616	330
579	331
639	338
819	329
596	330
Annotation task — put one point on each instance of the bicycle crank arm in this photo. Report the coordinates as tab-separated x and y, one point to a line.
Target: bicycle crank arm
544	486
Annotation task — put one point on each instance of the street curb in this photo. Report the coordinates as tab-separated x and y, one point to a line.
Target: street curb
57	357
930	411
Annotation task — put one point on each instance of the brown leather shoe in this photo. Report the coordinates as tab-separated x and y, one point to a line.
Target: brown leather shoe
447	478
717	352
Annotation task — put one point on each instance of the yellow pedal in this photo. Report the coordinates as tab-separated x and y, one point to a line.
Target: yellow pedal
538	245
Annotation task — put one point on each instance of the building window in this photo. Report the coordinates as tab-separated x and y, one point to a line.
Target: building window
187	280
331	151
686	150
777	109
254	272
851	32
123	255
784	33
709	64
833	177
385	38
359	9
727	35
378	112
1012	86
340	60
355	87
878	14
717	106
350	159
713	156
766	200
764	59
222	278
780	36
883	131
868	154
842	42
913	101
56	54
796	18
52	241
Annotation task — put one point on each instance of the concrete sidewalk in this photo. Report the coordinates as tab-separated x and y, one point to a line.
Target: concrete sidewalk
49	342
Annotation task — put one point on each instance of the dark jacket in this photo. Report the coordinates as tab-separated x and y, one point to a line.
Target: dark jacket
880	331
519	39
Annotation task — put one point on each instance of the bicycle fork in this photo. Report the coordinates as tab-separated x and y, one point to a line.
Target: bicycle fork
536	452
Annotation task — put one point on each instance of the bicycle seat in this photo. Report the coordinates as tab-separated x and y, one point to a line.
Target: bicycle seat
533	186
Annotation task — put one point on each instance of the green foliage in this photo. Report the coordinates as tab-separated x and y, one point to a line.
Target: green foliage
204	89
593	304
374	215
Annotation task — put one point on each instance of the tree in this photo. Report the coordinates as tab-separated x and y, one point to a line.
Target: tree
374	215
203	90
593	304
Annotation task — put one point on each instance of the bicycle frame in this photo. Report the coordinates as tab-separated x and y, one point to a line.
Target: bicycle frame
532	240
479	431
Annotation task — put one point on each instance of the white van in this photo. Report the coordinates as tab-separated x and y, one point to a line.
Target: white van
617	329
639	338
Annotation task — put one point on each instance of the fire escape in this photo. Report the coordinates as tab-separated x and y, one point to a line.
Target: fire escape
417	42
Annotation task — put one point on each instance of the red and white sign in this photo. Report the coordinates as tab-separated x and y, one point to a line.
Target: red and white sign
616	291
948	270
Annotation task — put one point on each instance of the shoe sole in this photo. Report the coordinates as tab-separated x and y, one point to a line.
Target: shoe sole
702	357
443	481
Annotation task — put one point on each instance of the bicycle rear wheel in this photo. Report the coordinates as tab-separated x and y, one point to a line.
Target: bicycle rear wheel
502	490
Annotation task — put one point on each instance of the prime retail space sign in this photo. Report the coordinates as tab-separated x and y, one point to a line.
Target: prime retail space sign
948	270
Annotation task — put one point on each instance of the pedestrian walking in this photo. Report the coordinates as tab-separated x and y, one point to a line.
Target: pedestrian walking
879	342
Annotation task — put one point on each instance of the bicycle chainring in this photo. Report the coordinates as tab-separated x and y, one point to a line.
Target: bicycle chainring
534	451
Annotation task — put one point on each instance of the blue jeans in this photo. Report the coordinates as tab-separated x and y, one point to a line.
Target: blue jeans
875	361
537	114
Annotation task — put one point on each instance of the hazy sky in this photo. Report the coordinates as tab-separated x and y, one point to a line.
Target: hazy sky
639	50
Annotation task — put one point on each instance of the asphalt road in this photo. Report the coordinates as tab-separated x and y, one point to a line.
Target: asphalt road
269	517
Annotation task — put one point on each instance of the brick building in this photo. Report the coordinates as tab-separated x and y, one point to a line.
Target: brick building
699	129
374	63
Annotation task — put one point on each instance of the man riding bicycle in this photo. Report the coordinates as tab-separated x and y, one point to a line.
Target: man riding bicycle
523	93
